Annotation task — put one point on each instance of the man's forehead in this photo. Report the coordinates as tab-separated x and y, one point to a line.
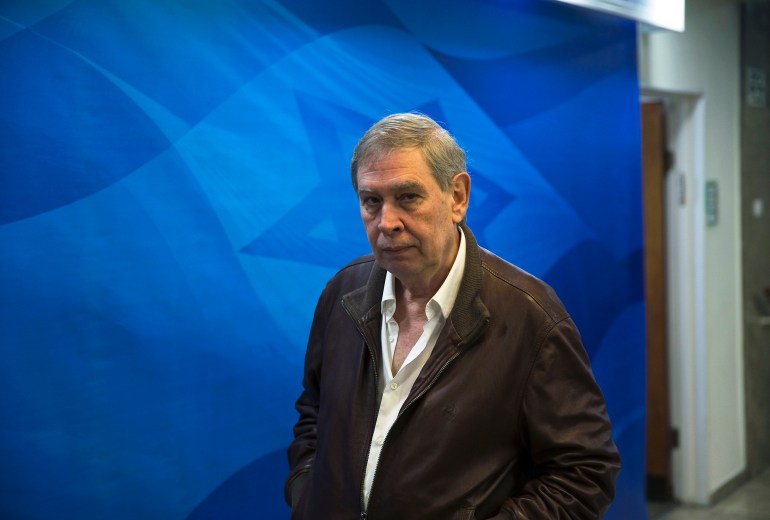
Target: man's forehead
386	154
398	169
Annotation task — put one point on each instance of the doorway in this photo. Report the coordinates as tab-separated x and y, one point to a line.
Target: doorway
673	126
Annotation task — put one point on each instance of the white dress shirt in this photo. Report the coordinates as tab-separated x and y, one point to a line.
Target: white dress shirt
394	389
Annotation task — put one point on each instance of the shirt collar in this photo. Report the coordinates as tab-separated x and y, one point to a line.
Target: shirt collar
444	299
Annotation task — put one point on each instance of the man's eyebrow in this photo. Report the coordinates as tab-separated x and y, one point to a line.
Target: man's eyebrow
401	186
408	186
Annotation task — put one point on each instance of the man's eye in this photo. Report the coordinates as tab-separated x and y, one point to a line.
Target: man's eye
370	201
409	197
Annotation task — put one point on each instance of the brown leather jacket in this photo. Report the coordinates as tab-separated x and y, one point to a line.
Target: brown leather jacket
504	419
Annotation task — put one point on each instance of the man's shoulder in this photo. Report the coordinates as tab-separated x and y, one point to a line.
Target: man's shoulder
361	265
353	275
363	260
507	277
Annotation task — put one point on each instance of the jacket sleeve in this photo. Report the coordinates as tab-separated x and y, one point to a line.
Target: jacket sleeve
302	450
567	430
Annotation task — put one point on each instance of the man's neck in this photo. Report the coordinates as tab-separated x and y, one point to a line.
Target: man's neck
409	304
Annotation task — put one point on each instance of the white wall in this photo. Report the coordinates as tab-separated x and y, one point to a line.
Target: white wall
705	60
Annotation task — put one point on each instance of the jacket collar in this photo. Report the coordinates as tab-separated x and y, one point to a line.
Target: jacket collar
467	319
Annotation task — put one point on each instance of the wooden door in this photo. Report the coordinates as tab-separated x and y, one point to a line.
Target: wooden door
659	433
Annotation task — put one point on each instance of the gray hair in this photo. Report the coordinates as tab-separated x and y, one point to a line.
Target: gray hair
444	156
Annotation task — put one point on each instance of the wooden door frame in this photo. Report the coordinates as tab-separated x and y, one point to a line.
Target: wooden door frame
655	169
685	244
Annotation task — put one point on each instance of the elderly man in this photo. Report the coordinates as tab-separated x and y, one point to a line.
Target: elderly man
442	382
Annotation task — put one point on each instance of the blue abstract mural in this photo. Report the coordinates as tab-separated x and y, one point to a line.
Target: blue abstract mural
174	194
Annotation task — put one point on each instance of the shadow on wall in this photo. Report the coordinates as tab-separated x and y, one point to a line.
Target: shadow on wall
252	490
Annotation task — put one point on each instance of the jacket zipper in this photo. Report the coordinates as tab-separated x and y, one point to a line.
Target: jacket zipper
361	330
372	358
363	477
400	413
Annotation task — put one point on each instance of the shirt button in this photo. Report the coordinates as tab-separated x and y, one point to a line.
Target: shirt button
393	386
392	339
380	441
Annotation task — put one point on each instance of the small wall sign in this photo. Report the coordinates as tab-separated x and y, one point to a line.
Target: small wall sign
756	87
712	203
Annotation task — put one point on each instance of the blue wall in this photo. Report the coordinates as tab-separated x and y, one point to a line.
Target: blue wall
174	192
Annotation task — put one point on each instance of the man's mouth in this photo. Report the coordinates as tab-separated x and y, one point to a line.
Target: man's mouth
394	249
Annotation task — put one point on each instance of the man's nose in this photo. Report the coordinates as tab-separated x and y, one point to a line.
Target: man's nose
390	219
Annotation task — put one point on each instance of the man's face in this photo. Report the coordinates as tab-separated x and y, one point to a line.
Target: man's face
411	224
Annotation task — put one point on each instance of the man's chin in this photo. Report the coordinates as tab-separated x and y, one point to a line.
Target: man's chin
397	264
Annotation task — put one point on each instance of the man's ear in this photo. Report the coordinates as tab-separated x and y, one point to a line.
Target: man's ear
461	195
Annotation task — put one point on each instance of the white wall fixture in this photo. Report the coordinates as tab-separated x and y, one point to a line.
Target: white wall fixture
665	14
